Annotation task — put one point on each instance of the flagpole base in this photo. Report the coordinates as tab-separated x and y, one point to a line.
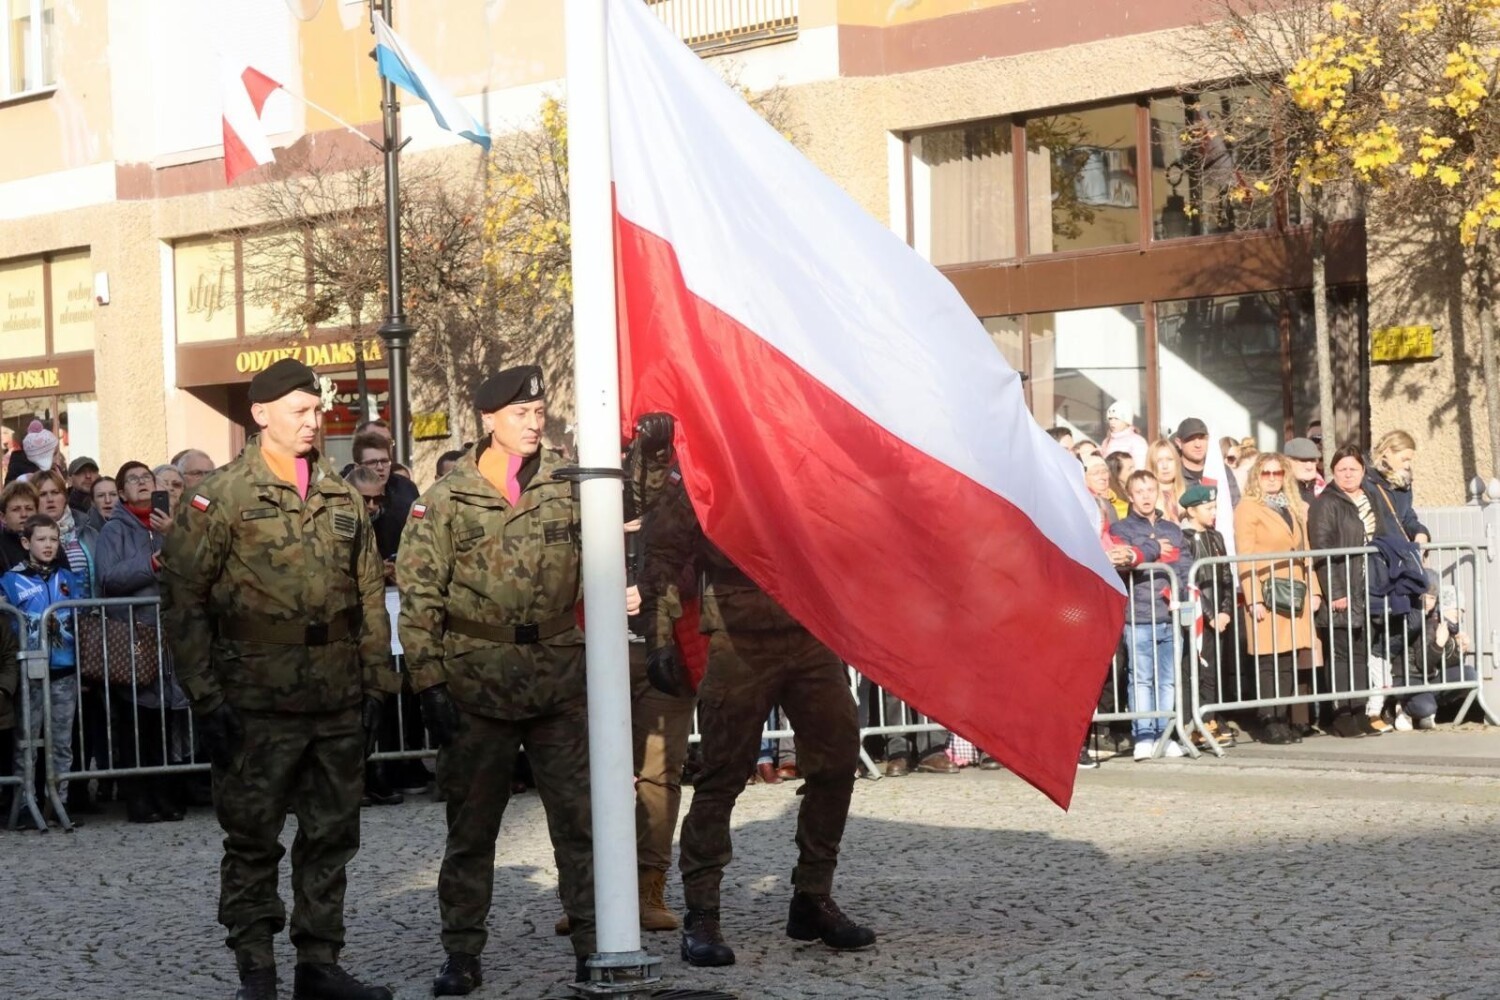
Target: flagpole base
620	973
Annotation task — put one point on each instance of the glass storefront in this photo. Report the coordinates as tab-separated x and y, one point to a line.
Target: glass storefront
1081	171
1206	154
963	194
1083	360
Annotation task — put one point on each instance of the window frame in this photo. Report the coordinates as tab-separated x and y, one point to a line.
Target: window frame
35	53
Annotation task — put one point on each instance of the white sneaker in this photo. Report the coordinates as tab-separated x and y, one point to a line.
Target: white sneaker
1403	721
1144	749
1426	722
1174	749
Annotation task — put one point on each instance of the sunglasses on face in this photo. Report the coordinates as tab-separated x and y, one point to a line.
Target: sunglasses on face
1271	474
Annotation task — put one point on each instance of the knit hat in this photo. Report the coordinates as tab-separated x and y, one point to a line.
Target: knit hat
40	445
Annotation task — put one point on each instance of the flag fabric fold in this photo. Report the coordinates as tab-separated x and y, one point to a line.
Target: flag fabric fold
848	433
400	65
246	146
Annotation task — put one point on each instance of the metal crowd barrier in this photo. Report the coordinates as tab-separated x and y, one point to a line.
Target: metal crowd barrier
1167	611
124	723
28	737
1355	660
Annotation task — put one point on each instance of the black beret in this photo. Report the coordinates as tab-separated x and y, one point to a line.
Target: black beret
521	384
286	375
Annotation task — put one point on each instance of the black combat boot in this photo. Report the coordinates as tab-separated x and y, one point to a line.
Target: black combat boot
817	917
581	969
259	984
459	976
702	942
327	981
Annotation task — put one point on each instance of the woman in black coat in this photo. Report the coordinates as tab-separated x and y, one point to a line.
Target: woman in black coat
1347	515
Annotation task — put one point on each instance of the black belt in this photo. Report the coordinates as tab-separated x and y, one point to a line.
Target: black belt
343	625
524	634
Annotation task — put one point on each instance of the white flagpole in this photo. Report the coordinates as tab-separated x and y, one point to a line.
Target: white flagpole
596	368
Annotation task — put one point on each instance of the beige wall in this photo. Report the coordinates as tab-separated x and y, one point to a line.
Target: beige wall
1415	277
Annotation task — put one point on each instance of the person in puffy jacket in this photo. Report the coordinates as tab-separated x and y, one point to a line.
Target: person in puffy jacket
1149	622
31	587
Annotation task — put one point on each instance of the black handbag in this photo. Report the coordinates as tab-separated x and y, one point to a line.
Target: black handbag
1284	595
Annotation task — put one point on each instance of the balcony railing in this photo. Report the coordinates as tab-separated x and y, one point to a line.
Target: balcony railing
713	27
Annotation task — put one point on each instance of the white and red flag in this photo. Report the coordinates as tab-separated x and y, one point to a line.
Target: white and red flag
848	433
246	145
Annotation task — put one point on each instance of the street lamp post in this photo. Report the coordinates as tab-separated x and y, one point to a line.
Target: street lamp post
396	332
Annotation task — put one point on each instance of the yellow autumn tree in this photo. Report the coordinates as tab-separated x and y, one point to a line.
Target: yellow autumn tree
1430	145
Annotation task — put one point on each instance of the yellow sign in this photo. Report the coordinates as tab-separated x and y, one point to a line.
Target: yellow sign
429	426
23	320
339	355
1402	343
72	303
206	291
32	378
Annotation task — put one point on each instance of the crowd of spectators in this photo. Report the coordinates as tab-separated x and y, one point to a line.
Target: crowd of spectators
1271	629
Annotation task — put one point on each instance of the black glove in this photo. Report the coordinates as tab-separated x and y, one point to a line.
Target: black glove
665	673
222	734
440	715
370	718
654	431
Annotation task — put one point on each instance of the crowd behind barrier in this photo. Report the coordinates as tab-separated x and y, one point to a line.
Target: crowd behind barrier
123	727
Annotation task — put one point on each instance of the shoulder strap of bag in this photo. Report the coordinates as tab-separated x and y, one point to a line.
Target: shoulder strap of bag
1392	508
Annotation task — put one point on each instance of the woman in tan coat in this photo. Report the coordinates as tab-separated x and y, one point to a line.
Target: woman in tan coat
1270	518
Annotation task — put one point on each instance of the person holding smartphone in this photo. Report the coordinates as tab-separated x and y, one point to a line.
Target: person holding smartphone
128	558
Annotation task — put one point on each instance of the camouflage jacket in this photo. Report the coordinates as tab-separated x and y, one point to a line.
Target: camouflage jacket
468	556
677	551
249	557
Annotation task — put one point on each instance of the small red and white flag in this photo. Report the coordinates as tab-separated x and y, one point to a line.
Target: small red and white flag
418	511
201	502
848	433
245	143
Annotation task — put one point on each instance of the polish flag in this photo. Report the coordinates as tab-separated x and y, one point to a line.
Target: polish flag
245	143
848	433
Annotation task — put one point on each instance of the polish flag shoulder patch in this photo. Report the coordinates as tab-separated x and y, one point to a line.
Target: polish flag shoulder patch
419	510
201	502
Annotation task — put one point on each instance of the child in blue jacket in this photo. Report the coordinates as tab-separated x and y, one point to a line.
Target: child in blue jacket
31	587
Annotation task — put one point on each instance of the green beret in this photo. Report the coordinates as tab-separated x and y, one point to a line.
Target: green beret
1196	495
521	384
285	376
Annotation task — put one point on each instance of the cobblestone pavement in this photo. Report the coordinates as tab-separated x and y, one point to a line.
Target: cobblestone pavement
1166	880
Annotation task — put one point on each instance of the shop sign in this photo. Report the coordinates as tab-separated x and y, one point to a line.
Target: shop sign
336	355
429	426
206	290
23	320
30	378
72	303
1403	343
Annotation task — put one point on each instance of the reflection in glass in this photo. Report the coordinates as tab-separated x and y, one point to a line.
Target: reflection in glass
963	194
1082	361
1081	179
1208	152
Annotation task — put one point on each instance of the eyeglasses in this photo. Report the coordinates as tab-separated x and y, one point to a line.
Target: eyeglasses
1272	474
375	463
139	478
374	501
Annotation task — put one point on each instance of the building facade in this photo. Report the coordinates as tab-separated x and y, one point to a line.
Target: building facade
1038	152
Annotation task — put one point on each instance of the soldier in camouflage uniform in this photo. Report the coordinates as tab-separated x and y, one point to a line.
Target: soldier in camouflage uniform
273	602
489	573
759	656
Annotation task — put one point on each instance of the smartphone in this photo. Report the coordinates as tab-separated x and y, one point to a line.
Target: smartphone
161	500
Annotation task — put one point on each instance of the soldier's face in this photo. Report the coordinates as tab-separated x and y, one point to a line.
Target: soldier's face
517	429
290	424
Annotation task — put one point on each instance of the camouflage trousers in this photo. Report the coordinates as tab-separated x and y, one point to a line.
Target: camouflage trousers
312	764
748	674
475	774
660	725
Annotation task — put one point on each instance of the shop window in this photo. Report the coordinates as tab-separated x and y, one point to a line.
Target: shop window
1010	338
23	314
72	281
963	194
1081	179
1082	361
1208	153
29	38
1247	364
